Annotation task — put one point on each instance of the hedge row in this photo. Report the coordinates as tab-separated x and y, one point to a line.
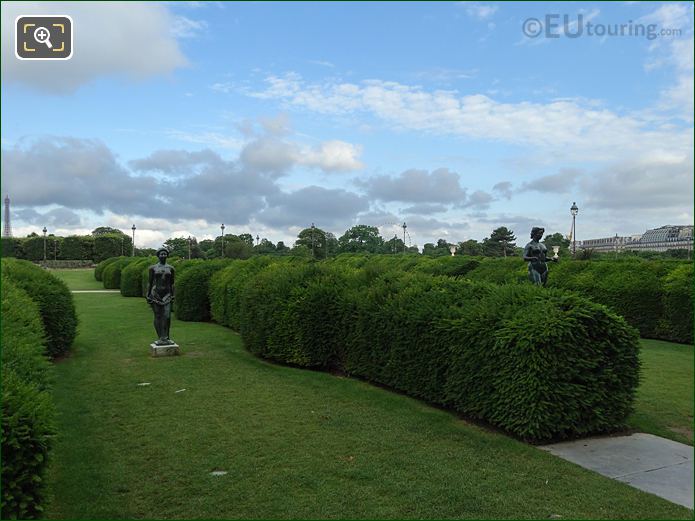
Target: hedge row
192	284
53	299
27	407
75	247
655	296
226	286
538	363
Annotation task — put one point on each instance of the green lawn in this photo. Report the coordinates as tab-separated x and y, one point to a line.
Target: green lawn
665	397
79	279
295	443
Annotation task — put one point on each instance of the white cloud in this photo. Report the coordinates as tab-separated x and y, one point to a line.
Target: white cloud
182	27
674	51
479	10
110	38
332	156
578	129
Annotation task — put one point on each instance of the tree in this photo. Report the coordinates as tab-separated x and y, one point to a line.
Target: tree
314	239
246	237
300	250
501	243
436	250
237	249
207	248
178	247
281	248
264	247
470	247
33	248
13	247
557	239
361	238
106	230
393	245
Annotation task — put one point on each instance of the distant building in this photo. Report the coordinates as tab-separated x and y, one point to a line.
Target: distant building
658	239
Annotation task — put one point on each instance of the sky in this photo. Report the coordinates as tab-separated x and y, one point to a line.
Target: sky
453	117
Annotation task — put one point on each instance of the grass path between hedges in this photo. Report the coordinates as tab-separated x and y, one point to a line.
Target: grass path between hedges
664	404
294	443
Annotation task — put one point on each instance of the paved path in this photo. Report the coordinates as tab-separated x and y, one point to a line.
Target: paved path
96	291
644	461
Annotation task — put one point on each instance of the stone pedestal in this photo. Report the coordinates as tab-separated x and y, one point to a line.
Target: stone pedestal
168	350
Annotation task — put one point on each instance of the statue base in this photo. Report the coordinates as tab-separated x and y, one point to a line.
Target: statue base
167	350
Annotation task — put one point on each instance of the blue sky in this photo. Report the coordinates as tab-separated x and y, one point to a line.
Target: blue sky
269	116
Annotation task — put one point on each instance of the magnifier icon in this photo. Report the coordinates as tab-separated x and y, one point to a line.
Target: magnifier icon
42	35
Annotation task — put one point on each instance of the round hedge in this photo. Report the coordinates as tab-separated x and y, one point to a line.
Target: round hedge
111	276
131	277
53	299
99	269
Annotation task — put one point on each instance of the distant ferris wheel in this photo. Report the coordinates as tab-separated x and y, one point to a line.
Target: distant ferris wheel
399	231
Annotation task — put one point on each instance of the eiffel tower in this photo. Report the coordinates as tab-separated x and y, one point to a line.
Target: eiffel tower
7	228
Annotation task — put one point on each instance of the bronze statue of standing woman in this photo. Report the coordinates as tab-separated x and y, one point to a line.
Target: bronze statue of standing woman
160	295
536	253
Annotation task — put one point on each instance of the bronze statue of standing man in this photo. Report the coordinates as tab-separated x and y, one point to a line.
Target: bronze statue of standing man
536	253
160	295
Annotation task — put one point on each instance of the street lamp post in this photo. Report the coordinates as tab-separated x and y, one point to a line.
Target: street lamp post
258	240
44	243
574	210
616	245
132	253
404	227
222	228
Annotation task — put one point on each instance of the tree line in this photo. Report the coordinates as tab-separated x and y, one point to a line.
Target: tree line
105	242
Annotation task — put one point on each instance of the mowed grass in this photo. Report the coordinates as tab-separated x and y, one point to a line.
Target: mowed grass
664	404
294	443
78	279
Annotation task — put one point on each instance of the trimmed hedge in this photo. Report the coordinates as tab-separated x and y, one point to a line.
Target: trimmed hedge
27	424
542	364
53	299
192	285
538	363
226	286
27	407
131	276
677	322
633	288
23	336
99	269
111	276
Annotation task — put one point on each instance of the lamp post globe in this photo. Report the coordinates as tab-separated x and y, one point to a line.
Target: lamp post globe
44	243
